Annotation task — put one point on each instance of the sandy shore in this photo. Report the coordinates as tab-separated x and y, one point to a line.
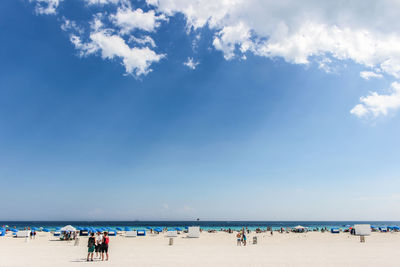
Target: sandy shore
211	249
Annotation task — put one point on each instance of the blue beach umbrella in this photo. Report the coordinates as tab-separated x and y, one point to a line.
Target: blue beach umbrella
119	228
128	229
178	229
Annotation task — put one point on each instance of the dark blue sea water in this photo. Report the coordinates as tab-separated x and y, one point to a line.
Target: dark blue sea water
206	225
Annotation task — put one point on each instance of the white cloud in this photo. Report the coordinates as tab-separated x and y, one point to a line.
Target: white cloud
70	25
46	7
136	60
103	2
375	105
229	37
370	74
299	30
142	41
128	20
190	63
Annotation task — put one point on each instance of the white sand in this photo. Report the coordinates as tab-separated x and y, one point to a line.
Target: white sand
211	249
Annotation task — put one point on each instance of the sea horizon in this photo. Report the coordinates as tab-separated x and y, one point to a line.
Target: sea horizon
206	225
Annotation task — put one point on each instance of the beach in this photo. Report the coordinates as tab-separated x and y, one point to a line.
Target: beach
211	249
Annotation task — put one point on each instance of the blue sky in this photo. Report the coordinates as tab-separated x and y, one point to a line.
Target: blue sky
89	130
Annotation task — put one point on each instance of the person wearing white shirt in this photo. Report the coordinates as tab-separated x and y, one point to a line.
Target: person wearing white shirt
99	240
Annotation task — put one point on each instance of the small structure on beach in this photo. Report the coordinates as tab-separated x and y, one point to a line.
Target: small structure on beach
130	234
172	233
362	230
194	232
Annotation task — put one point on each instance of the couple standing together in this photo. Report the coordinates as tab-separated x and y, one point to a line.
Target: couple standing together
98	244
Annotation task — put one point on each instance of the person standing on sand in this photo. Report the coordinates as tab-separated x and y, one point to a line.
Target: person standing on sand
99	240
244	239
239	240
104	246
91	245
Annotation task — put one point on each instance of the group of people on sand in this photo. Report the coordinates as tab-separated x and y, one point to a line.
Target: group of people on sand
98	243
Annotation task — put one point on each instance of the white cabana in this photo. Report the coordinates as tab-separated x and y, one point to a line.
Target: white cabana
299	227
172	233
68	228
130	234
25	233
194	232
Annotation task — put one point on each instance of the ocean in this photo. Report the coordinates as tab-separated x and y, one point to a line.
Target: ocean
206	225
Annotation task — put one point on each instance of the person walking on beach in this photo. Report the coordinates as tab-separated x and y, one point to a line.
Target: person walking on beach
91	245
99	240
244	239
104	246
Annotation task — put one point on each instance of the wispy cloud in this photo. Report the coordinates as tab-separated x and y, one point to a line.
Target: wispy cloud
191	63
370	74
46	7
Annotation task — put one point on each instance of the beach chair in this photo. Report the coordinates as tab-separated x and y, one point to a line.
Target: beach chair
112	233
335	231
141	232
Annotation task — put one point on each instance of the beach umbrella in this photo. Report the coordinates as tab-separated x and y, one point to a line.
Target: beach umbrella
14	230
128	229
178	229
46	230
158	230
148	227
68	228
119	228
